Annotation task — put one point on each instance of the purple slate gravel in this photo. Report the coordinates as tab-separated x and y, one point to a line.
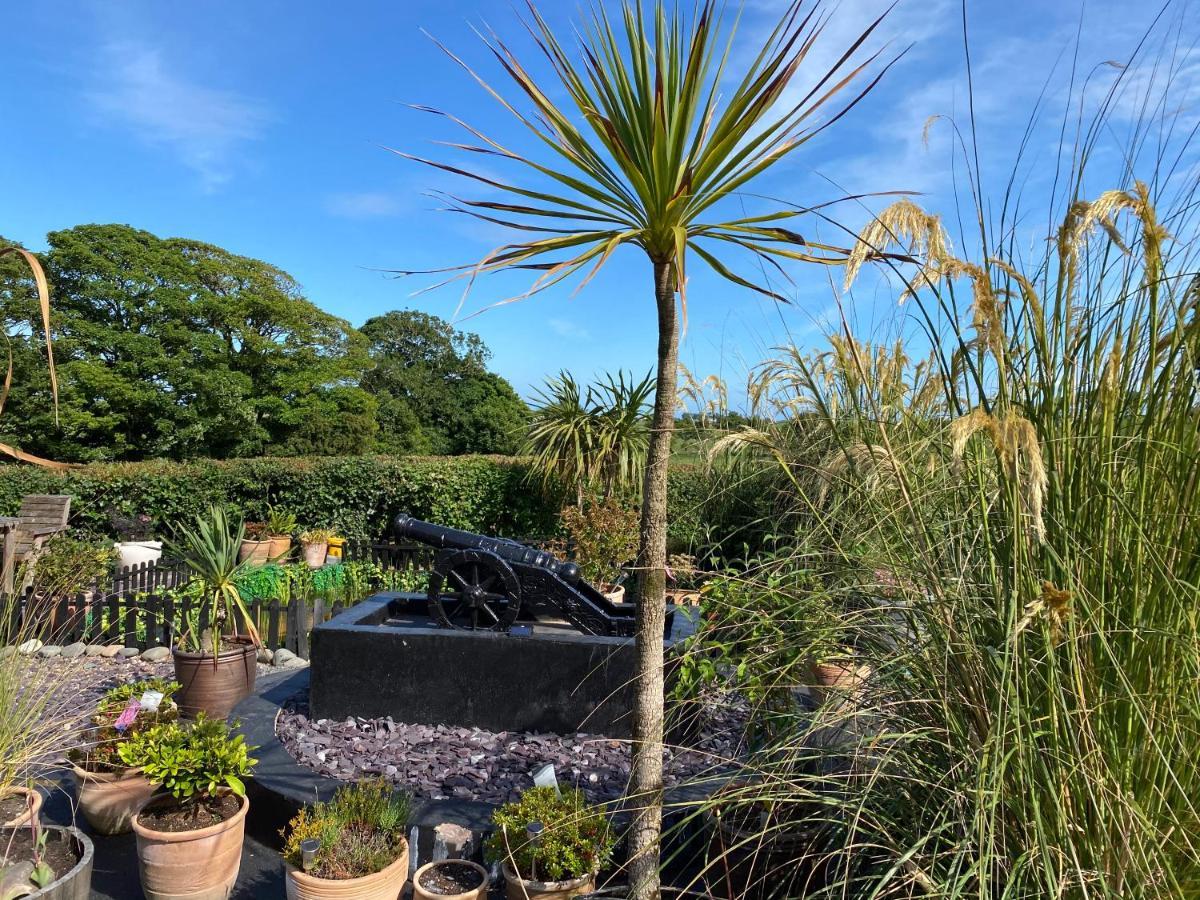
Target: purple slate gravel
441	761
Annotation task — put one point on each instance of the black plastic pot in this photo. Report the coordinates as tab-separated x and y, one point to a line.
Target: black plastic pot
75	884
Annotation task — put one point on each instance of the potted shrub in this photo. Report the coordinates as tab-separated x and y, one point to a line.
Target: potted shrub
48	862
189	841
557	860
216	665
604	536
280	526
316	544
134	544
352	847
451	879
109	791
255	545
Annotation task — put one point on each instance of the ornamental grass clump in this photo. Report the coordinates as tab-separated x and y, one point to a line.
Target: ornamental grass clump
576	839
360	831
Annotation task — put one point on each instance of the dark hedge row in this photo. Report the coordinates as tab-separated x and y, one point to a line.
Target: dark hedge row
359	495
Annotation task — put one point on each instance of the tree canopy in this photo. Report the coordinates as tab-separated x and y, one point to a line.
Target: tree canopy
173	348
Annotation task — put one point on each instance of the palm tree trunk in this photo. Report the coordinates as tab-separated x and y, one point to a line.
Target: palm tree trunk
646	785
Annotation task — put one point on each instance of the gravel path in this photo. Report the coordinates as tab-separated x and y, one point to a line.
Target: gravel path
440	761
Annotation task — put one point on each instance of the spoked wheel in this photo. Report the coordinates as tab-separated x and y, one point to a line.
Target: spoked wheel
473	590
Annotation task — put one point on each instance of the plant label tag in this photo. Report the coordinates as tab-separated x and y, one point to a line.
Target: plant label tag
545	777
150	700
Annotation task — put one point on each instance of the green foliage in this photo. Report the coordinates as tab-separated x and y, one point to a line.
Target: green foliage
209	549
433	390
192	762
604	536
576	839
101	742
361	831
280	521
70	565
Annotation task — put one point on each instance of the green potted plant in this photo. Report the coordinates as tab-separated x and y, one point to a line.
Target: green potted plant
350	848
189	841
109	791
316	544
549	845
255	544
604	536
280	526
45	861
216	666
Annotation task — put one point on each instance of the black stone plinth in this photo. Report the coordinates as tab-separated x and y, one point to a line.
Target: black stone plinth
385	657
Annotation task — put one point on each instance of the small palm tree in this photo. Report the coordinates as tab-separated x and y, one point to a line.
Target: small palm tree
655	135
210	550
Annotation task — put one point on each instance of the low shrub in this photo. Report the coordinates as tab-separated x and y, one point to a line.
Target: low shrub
576	839
194	764
361	831
100	751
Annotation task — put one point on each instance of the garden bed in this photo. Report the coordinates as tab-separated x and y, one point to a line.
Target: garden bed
441	761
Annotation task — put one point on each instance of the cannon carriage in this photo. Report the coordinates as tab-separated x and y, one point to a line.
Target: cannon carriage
481	583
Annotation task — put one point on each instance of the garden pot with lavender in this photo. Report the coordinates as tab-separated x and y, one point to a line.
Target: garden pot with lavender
58	869
189	841
451	879
19	806
110	792
533	836
364	858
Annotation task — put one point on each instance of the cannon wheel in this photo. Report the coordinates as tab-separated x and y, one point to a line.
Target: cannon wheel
473	590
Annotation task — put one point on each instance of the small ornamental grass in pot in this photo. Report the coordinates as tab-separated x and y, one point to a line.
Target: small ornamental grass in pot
559	859
280	526
215	665
350	847
110	791
189	841
316	545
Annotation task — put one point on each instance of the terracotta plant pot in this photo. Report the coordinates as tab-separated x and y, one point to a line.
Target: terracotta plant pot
214	685
516	888
314	554
255	552
109	799
479	893
386	884
190	865
29	813
76	882
614	594
838	678
281	546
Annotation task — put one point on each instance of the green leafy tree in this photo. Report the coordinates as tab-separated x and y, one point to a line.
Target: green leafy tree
434	392
642	142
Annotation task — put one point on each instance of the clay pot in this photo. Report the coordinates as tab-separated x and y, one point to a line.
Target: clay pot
838	678
190	865
613	594
256	553
29	813
517	888
281	546
109	799
76	882
386	884
214	685
479	893
314	554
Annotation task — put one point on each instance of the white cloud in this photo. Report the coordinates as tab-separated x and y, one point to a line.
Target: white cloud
565	328
204	127
364	204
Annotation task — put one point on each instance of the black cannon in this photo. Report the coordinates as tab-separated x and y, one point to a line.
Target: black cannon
481	583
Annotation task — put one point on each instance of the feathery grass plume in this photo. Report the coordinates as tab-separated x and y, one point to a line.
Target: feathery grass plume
1015	442
905	224
871	460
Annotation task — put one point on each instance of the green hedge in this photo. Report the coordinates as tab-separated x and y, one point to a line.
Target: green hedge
357	495
360	495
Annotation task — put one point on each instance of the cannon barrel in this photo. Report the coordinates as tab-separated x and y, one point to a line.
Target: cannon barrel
454	539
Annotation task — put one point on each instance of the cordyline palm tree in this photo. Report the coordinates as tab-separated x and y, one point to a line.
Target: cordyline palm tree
654	132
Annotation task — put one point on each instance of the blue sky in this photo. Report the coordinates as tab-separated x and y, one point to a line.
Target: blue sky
261	127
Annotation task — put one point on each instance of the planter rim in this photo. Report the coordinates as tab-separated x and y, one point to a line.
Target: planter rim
248	647
302	877
416	879
87	851
179	837
123	773
565	884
